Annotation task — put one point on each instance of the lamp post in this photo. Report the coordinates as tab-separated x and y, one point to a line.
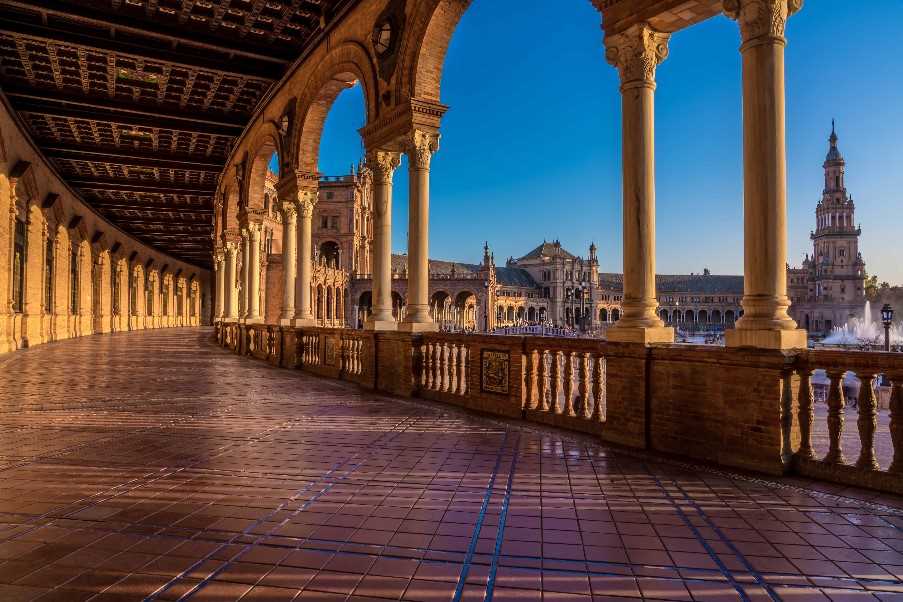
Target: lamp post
887	316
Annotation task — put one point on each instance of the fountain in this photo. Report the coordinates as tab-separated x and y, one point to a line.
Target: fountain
861	331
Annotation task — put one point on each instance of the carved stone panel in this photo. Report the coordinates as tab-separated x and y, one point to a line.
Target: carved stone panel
495	369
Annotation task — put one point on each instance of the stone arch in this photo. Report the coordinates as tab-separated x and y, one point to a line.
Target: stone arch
339	70
703	317
603	315
331	253
689	316
615	315
531	314
427	44
255	188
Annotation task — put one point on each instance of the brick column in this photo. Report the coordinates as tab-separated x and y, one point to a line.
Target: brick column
636	52
765	322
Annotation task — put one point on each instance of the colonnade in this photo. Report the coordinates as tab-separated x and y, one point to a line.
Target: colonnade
636	52
58	284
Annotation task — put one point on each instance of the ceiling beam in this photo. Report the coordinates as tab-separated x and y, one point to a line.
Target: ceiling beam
150	120
136	159
255	70
173	36
104	206
48	95
145	187
129	222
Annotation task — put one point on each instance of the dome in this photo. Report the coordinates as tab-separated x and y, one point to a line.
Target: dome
833	152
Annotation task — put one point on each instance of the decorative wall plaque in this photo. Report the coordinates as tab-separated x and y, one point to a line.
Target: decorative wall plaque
495	367
329	351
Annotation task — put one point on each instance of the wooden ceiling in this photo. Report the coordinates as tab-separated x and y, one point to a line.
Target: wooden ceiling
138	102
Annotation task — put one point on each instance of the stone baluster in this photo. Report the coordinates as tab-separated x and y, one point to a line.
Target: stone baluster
896	423
530	380
428	366
786	413
556	382
544	380
836	405
805	412
453	369
583	379
424	365
867	422
569	383
598	389
444	375
462	373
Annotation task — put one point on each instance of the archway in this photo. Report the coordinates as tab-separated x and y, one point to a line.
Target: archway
364	308
603	315
465	310
615	315
330	254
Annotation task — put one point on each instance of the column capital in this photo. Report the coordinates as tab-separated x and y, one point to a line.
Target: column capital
307	200
289	211
383	164
637	52
761	19
420	148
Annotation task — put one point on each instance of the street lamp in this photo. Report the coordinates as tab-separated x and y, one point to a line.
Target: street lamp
887	316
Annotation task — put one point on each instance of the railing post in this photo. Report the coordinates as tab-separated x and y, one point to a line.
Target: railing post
836	404
556	382
530	380
543	381
569	383
786	413
896	422
805	412
583	382
598	388
867	423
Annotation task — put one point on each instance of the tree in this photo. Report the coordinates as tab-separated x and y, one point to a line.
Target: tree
871	288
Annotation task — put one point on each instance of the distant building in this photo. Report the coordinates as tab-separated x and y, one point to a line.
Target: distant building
830	285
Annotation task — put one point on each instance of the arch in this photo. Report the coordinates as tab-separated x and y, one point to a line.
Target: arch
703	317
531	314
689	316
331	253
509	314
729	317
542	314
716	316
262	153
319	302
603	315
615	314
329	300
339	70
398	306
427	46
520	314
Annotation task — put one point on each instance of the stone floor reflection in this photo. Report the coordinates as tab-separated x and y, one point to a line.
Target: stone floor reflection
177	470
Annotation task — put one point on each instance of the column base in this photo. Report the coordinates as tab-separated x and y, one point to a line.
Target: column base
304	322
418	327
639	334
380	325
286	321
253	320
767	339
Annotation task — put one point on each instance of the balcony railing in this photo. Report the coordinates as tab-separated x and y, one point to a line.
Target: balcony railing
739	408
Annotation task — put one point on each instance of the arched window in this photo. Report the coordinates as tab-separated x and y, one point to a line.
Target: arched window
19	246
48	276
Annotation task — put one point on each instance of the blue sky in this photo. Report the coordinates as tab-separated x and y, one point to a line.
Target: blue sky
531	144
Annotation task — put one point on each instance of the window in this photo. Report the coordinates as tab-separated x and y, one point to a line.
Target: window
114	288
334	222
324	222
19	246
48	276
836	181
330	195
73	281
149	299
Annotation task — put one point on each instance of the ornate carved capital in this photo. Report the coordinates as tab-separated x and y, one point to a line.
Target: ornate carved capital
307	200
637	52
289	211
761	18
421	148
383	164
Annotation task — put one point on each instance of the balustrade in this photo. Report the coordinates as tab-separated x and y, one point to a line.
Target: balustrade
565	378
445	366
830	414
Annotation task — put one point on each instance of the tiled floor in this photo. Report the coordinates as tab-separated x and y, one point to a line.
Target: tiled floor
175	470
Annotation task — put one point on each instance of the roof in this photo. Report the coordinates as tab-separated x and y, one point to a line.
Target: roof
437	266
683	283
548	249
514	277
833	152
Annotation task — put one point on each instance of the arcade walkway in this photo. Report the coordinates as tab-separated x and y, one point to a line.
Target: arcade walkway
155	464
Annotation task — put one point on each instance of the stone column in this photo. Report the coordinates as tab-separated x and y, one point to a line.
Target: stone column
231	309
304	267
254	275
243	280
289	267
420	151
765	322
220	307
383	165
636	52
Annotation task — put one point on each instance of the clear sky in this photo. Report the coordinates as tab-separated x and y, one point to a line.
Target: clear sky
531	144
